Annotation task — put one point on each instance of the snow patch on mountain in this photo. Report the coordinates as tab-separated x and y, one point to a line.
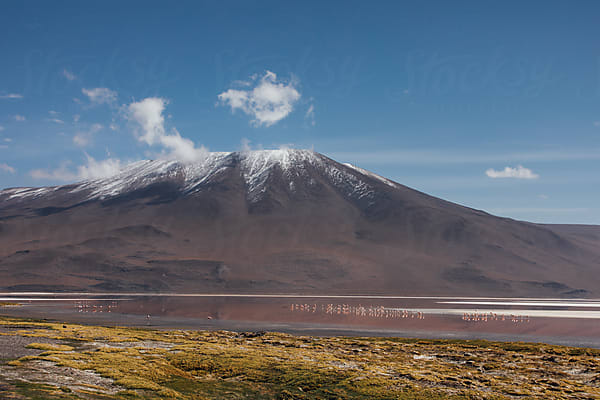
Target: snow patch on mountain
257	166
15	193
372	175
350	184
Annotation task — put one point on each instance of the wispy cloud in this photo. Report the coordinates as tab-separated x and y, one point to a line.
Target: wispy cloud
69	75
93	169
100	95
84	138
61	173
19	118
245	145
55	120
147	114
1	128
310	115
7	168
267	100
518	172
13	96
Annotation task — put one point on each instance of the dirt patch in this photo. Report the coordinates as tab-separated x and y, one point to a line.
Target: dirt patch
47	372
12	346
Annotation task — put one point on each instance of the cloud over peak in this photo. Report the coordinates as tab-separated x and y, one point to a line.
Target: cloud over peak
149	128
91	170
267	100
99	169
148	115
518	172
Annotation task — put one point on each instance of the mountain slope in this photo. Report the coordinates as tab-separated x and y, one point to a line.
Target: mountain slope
278	221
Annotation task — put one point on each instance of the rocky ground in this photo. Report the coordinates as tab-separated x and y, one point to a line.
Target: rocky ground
48	360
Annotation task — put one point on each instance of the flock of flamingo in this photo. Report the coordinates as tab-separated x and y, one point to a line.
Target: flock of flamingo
485	317
384	312
360	311
84	306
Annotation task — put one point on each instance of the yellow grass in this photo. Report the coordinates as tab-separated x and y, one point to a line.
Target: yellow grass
228	365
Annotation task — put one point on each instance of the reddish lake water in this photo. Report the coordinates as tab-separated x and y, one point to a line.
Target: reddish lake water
564	321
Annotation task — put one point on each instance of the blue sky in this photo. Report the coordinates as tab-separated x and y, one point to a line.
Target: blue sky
494	105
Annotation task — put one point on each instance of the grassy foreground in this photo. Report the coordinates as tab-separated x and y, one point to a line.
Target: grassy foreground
69	361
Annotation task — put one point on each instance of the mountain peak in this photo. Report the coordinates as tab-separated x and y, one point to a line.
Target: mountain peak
296	167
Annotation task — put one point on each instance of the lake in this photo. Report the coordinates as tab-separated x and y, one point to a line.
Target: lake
559	321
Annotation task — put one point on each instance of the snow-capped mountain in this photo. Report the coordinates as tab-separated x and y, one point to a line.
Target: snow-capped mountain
278	220
255	167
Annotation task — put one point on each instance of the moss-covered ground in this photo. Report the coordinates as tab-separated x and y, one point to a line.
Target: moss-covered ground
95	362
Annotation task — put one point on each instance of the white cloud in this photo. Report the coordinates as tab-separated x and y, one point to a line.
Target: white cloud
11	96
69	75
91	170
268	102
55	120
84	138
7	168
52	112
100	95
148	114
310	115
99	169
7	140
519	172
245	145
19	118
